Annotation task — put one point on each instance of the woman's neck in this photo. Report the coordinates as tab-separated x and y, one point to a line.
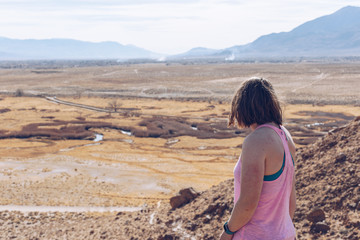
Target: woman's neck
255	125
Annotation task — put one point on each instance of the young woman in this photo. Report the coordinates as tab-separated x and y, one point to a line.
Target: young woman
264	182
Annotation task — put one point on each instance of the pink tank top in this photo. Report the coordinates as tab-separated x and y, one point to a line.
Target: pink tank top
271	220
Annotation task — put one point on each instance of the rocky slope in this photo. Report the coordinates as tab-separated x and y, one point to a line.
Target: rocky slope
328	186
328	178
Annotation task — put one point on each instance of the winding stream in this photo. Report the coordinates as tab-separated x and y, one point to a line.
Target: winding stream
98	138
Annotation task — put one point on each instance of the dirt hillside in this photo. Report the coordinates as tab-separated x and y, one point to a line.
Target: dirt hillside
328	178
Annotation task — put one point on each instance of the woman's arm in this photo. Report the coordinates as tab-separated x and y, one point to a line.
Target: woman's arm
292	205
252	174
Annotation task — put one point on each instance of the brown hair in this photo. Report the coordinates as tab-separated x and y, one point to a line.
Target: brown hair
255	102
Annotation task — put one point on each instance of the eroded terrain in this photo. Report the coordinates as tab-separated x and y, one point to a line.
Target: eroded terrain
80	139
61	155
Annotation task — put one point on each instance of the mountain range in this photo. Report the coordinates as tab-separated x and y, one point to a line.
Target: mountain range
14	49
334	35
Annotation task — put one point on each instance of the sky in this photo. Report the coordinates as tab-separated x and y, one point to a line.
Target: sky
161	26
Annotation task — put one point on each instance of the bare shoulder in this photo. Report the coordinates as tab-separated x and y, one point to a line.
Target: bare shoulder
259	138
254	150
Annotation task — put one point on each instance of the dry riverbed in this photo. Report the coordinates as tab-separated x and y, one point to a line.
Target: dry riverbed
72	156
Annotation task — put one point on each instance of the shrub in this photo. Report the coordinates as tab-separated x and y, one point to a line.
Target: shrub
19	92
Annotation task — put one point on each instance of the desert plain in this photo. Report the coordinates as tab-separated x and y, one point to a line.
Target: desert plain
131	135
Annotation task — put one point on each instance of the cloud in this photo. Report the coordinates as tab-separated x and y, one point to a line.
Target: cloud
123	10
87	3
159	25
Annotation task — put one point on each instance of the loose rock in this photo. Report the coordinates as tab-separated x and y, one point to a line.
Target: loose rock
167	237
320	227
340	158
317	215
185	196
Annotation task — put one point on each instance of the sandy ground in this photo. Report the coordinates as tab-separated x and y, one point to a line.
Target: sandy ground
295	82
122	169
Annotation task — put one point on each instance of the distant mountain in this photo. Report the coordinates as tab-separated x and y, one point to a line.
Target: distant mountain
196	52
333	35
14	49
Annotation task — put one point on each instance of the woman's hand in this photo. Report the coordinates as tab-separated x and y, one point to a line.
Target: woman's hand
225	236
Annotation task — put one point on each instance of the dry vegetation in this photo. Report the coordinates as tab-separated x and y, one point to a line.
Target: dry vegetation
295	82
163	127
50	148
328	204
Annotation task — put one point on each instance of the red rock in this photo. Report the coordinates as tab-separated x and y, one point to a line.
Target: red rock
168	237
189	193
177	201
185	196
340	158
316	215
320	227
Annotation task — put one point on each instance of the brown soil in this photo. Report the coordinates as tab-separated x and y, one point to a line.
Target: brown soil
327	178
164	129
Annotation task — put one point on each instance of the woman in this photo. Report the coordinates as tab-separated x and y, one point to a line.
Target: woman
264	179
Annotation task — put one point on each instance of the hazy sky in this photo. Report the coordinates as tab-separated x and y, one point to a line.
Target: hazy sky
164	26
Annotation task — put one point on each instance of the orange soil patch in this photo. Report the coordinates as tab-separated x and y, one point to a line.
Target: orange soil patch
125	167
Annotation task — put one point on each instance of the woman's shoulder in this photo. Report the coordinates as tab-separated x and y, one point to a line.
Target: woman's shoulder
262	132
259	137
